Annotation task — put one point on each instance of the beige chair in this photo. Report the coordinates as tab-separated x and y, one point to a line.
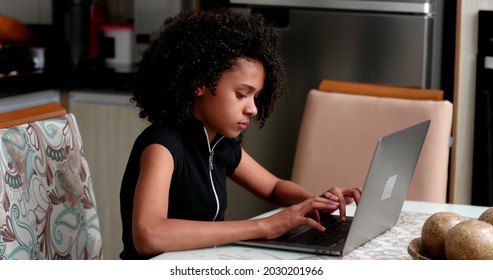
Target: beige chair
47	204
339	132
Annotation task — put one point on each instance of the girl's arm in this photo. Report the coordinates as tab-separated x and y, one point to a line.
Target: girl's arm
252	176
259	181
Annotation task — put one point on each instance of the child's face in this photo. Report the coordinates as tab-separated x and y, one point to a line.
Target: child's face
229	111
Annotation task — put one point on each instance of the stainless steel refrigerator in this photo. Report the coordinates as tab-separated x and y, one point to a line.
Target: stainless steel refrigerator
482	180
392	42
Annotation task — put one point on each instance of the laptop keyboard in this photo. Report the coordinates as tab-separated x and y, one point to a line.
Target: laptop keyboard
335	233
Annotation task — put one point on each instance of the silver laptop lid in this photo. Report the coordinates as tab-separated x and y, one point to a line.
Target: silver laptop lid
384	192
387	184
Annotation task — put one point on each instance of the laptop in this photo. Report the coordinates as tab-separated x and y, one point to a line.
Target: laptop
380	205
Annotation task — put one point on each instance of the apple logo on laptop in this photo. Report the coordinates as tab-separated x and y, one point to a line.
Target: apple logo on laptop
389	186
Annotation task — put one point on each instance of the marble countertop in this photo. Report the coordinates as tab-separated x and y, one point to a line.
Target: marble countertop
391	245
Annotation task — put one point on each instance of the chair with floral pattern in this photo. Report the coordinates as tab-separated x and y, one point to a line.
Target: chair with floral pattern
47	204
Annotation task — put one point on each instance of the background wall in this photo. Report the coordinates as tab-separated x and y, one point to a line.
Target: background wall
27	11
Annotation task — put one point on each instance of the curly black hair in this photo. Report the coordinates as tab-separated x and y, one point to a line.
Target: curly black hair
192	50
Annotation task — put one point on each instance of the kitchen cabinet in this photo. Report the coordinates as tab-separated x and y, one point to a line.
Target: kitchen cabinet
109	124
20	101
28	11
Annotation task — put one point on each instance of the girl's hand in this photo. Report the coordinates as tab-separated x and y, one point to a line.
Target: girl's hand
304	213
344	196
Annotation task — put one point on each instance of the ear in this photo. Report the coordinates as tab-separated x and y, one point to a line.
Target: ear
200	91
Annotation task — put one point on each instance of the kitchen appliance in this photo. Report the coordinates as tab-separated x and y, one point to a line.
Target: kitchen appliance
482	181
149	15
71	32
391	42
117	46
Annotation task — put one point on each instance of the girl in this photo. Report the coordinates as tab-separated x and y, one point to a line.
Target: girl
203	78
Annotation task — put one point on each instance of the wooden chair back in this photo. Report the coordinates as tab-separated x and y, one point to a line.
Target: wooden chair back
380	90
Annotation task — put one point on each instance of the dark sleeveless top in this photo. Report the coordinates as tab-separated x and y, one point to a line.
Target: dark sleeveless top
192	195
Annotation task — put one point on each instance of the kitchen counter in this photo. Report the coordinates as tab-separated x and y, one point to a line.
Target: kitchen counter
99	79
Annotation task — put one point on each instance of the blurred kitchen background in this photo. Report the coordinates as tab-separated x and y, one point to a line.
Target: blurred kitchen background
83	53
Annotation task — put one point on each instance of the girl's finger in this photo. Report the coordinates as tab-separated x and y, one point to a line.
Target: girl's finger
314	224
